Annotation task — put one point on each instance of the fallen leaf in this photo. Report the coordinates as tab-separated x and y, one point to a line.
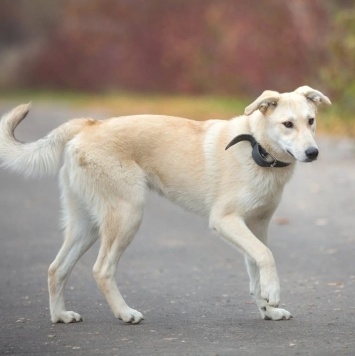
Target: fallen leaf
282	221
335	284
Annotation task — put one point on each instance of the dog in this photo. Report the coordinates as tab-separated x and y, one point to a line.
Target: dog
233	172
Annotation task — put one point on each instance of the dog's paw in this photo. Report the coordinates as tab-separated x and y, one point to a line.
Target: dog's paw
66	317
270	292
270	289
271	313
131	316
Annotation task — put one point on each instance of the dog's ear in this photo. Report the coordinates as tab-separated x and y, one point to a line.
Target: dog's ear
313	95
266	99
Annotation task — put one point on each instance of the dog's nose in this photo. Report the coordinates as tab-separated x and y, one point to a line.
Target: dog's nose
312	153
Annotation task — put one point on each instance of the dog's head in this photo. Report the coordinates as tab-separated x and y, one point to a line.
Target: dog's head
285	123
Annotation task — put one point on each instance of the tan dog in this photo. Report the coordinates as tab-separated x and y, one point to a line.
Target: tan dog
108	166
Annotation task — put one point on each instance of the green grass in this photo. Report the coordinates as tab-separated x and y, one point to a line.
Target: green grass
334	121
194	107
200	107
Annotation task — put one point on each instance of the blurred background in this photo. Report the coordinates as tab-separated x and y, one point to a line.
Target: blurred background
198	58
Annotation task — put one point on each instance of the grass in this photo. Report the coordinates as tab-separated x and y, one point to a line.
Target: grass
200	107
333	121
117	104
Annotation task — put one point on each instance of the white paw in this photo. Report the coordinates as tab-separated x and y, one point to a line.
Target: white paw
66	317
271	313
131	316
271	294
270	288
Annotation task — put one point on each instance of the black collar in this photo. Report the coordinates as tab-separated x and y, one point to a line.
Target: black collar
259	154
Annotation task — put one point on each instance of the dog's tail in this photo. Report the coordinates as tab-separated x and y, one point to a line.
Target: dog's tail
37	158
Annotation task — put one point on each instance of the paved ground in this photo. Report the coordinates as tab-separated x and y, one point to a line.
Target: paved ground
191	286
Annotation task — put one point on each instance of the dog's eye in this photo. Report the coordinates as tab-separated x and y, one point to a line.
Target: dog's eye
288	124
311	121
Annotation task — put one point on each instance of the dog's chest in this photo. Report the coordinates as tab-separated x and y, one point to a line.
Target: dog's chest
262	192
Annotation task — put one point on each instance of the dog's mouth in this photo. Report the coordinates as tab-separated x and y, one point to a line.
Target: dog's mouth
290	153
310	160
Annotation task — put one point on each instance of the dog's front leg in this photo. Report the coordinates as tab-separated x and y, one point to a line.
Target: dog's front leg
234	230
267	312
259	228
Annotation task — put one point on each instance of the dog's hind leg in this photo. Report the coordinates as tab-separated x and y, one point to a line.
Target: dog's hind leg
80	234
117	231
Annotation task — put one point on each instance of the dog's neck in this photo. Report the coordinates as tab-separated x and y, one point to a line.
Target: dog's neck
260	156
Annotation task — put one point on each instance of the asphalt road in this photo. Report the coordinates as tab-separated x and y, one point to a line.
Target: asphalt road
191	287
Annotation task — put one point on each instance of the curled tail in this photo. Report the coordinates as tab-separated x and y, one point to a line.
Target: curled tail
37	158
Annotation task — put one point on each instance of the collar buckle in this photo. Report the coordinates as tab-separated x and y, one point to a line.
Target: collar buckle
273	162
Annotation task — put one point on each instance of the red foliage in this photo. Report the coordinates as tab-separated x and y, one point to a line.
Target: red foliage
224	46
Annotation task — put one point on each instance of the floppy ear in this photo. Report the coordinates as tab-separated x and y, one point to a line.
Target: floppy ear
266	99
314	95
